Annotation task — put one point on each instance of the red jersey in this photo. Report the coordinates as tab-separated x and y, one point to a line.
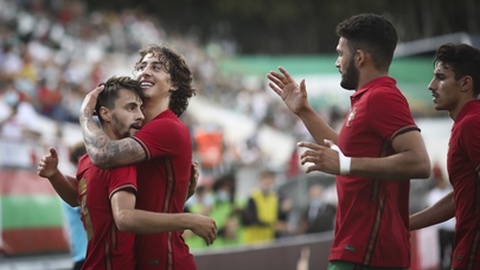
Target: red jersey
463	164
371	225
108	248
162	187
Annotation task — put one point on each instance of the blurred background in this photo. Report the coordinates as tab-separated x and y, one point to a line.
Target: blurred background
53	52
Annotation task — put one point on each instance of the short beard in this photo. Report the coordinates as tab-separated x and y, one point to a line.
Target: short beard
350	77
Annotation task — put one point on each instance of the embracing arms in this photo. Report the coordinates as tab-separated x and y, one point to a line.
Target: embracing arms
103	151
129	219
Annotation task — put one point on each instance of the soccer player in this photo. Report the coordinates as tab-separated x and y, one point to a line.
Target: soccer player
107	197
162	151
379	148
455	88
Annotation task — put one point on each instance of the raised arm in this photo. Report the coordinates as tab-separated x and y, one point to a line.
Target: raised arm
295	97
441	211
129	219
65	186
104	152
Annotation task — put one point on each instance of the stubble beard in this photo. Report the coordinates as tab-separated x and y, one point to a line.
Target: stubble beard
350	77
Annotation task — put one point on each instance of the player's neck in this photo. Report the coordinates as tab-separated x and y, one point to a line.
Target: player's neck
152	108
368	76
453	113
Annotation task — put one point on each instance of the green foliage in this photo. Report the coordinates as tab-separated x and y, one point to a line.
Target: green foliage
299	26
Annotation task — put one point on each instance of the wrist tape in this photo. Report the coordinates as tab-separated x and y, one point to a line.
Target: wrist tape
344	161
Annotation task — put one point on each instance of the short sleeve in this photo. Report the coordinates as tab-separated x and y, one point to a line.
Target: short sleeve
122	178
389	113
164	137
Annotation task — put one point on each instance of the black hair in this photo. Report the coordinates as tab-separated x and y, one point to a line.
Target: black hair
463	59
112	87
372	33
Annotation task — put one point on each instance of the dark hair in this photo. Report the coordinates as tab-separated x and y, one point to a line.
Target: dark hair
463	59
179	72
372	33
110	93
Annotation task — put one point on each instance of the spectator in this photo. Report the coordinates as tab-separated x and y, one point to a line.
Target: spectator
319	216
261	216
18	124
224	211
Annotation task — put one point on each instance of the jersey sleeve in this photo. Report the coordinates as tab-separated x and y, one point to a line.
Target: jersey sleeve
390	114
122	178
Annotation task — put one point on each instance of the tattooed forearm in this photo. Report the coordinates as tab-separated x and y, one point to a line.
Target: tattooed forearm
96	141
107	153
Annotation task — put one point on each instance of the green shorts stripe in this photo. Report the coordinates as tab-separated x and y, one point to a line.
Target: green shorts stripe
343	265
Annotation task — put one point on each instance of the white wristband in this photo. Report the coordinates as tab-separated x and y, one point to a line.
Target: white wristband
344	161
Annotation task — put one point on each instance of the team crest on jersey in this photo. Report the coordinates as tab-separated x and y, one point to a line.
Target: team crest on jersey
351	116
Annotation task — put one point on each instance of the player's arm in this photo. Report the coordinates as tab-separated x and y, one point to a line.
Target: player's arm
192	184
65	186
441	211
410	161
129	219
317	127
104	152
294	95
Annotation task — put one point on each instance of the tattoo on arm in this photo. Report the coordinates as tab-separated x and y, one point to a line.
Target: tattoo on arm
107	153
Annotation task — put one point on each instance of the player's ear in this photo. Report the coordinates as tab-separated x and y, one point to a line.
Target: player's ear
104	113
360	57
466	83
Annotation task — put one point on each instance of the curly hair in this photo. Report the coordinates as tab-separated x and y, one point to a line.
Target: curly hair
373	34
463	60
179	71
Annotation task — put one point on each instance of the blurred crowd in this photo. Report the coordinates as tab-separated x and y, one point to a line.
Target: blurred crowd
54	52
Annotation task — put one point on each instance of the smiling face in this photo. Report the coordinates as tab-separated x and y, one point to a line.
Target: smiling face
152	73
446	90
346	65
126	117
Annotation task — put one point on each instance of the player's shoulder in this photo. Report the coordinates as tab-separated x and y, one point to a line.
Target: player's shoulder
471	120
84	159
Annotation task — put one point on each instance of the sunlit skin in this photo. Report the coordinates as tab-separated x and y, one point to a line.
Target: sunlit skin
156	83
346	66
126	118
446	90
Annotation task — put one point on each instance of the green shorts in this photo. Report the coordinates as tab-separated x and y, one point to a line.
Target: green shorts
343	265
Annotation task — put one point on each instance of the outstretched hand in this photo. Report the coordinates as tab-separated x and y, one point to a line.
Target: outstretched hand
47	166
324	158
293	94
205	227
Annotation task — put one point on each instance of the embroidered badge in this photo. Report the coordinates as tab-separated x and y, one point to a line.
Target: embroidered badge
350	248
154	261
351	116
